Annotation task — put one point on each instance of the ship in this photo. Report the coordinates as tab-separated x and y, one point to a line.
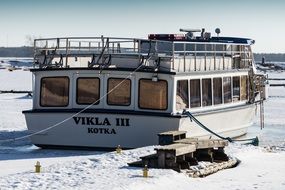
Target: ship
101	92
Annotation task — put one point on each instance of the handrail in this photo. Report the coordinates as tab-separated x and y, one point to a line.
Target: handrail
73	46
69	40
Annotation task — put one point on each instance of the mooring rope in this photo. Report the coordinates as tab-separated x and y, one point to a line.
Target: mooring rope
254	141
74	115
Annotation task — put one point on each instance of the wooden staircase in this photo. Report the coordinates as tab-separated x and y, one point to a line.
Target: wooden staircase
188	154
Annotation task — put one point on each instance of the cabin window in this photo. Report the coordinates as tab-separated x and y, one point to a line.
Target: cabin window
200	49
146	46
244	88
190	47
210	49
182	100
227	85
228	49
54	91
236	49
237	62
246	55
164	47
236	89
219	49
119	92
206	92
218	91
178	47
88	91
195	93
153	95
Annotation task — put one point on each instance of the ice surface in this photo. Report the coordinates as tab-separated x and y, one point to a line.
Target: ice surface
15	80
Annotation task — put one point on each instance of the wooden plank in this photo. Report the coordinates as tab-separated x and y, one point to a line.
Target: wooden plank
185	150
205	144
211	144
201	144
172	133
178	149
187	141
169	137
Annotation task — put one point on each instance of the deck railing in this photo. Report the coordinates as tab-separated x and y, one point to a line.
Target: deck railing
56	52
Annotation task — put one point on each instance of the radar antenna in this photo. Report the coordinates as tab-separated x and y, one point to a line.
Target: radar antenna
190	32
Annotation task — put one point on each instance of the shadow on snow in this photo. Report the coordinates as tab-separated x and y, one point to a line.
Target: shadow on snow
24	149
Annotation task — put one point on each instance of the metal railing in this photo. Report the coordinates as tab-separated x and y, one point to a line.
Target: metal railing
46	50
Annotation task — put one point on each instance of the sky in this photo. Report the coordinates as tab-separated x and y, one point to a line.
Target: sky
261	20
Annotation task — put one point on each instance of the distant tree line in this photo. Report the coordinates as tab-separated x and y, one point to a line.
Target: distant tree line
270	57
27	51
16	51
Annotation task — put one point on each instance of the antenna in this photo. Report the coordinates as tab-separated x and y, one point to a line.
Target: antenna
218	31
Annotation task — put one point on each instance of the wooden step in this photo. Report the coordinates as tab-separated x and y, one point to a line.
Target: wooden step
169	154
201	144
169	137
177	149
184	154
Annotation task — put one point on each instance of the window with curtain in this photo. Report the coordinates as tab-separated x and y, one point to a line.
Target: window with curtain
119	92
236	88
195	93
227	86
244	88
88	90
153	95
207	92
54	91
182	100
217	88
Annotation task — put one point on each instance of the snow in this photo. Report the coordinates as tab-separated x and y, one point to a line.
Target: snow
15	80
11	117
260	168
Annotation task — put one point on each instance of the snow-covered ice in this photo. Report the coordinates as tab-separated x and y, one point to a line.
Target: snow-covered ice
260	168
15	80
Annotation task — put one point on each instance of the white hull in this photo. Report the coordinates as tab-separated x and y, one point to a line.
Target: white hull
101	130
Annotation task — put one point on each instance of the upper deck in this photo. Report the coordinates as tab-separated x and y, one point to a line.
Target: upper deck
160	52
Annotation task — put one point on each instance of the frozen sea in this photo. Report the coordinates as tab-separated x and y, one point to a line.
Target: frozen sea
261	167
274	132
